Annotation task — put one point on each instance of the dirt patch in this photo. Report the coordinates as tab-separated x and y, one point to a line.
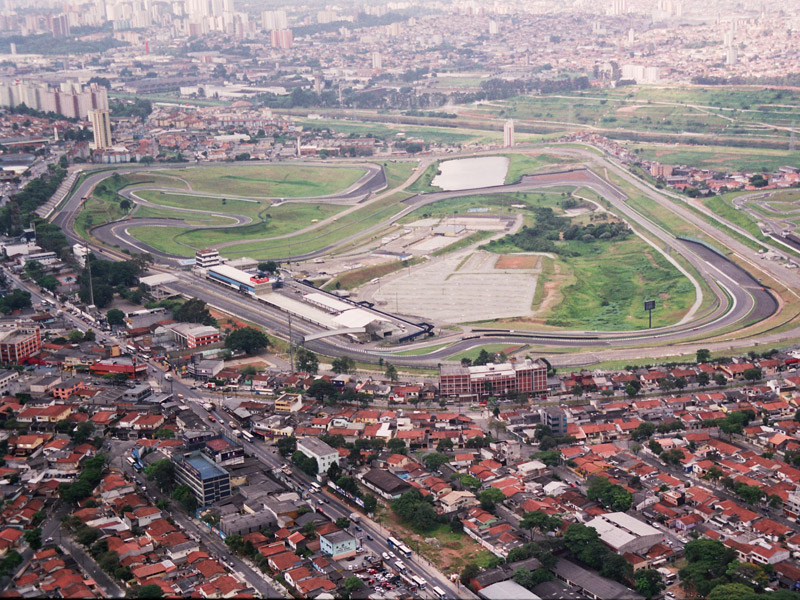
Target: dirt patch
629	109
516	261
227	322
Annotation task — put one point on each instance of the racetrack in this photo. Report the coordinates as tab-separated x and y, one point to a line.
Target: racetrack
740	300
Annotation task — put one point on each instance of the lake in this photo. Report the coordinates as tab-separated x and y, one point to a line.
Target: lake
470	173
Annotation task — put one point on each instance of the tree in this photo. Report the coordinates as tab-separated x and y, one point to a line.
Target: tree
307	361
307	464
162	472
434	460
643	431
631	390
248	340
753	374
150	591
334	471
269	266
352	584
720	379
703	379
732	591
397	446
703	355
115	317
286	445
390	372
444	445
165	433
370	503
344	364
713	473
490	497
470	571
322	389
34	538
539	520
184	495
648	582
194	310
343	522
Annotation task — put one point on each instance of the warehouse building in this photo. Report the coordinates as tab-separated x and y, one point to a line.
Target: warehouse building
624	533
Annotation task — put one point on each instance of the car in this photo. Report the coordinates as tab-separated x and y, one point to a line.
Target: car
386	556
371	582
373	572
369	537
392	554
358	528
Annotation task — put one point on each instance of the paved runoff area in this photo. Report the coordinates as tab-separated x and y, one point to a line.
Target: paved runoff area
463	287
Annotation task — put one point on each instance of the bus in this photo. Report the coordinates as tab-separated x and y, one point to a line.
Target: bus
419	581
315	487
439	592
137	467
396	544
130	460
247	436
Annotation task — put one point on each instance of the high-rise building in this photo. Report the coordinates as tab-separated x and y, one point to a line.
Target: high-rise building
274	19
101	127
281	38
59	26
508	133
377	61
494	29
732	56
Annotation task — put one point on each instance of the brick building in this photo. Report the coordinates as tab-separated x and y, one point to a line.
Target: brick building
520	377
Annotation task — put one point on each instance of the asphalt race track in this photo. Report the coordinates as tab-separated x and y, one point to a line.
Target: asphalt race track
739	299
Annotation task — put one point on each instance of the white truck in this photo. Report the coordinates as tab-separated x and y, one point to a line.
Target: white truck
355	517
168	376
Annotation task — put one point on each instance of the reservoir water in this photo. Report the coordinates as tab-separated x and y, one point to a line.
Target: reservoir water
469	173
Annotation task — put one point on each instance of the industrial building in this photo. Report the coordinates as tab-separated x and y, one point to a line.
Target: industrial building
624	533
239	280
506	379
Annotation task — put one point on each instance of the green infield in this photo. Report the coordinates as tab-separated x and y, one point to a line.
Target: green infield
346	226
231	206
271	181
272	222
606	290
526	164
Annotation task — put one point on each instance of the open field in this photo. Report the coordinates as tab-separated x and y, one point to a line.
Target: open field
423	184
473	353
97	212
388	131
397	171
717	158
727	111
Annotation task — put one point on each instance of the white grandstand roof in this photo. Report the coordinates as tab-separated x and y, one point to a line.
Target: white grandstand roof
158	279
